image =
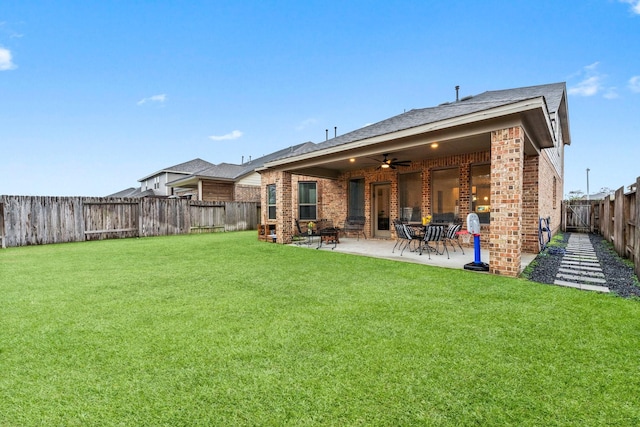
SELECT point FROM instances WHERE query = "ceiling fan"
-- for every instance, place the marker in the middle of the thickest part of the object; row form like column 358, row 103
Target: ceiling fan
column 392, row 163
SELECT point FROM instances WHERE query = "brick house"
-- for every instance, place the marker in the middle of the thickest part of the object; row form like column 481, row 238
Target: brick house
column 499, row 154
column 228, row 182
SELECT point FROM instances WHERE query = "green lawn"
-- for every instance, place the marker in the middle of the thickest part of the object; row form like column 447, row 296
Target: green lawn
column 220, row 329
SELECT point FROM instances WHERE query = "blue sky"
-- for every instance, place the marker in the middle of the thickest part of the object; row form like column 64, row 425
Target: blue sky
column 97, row 94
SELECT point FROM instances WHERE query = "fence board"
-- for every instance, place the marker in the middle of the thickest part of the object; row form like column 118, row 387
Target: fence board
column 207, row 216
column 111, row 218
column 636, row 240
column 617, row 220
column 2, row 242
column 577, row 215
column 41, row 220
column 26, row 220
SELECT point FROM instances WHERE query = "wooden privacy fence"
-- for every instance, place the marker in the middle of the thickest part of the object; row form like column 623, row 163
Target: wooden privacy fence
column 616, row 218
column 28, row 220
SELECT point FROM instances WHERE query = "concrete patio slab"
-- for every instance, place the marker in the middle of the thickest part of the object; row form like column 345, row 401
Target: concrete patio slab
column 381, row 248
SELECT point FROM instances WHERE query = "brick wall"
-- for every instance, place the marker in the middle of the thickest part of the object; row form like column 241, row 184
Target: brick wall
column 247, row 193
column 551, row 189
column 530, row 206
column 522, row 189
column 507, row 161
column 371, row 176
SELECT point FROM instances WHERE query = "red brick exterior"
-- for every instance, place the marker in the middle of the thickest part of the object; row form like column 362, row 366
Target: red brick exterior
column 522, row 191
column 507, row 161
column 247, row 193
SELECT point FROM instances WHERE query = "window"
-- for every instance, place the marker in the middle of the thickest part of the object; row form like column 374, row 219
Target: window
column 356, row 198
column 481, row 192
column 410, row 190
column 307, row 200
column 271, row 201
column 445, row 193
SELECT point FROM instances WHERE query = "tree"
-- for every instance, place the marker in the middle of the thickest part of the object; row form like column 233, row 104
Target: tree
column 575, row 194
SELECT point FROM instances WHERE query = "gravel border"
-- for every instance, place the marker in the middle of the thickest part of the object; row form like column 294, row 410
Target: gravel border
column 620, row 277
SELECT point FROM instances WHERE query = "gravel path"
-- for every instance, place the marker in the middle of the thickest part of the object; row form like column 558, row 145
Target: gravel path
column 620, row 277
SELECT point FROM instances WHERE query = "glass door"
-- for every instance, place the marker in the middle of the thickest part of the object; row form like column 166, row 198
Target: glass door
column 381, row 207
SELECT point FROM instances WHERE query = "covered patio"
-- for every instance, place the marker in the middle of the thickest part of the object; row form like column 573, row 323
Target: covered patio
column 382, row 248
column 499, row 155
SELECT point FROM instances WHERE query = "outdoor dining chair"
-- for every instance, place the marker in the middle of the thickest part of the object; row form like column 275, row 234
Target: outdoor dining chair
column 433, row 234
column 451, row 236
column 404, row 237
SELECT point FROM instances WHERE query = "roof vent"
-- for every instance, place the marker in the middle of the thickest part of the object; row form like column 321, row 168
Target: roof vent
column 466, row 98
column 457, row 90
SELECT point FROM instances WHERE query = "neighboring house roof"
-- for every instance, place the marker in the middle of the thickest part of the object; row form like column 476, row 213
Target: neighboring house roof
column 233, row 172
column 554, row 98
column 132, row 192
column 598, row 196
column 185, row 168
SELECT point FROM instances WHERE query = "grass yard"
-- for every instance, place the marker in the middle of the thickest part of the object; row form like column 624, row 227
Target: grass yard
column 220, row 329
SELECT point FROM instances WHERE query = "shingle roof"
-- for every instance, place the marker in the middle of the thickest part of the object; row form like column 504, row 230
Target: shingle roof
column 553, row 94
column 132, row 192
column 229, row 171
column 184, row 168
column 232, row 171
column 189, row 167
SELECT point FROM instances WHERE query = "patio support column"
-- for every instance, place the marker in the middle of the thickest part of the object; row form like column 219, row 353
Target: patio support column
column 284, row 207
column 507, row 162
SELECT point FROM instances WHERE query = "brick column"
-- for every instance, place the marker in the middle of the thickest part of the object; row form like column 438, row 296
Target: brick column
column 505, row 240
column 284, row 207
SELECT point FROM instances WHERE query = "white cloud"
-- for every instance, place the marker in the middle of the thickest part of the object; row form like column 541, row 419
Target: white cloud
column 635, row 5
column 591, row 83
column 587, row 87
column 6, row 62
column 306, row 123
column 634, row 84
column 155, row 98
column 229, row 136
column 611, row 93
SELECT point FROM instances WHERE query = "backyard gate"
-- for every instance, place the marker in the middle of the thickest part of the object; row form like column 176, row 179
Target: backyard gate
column 576, row 216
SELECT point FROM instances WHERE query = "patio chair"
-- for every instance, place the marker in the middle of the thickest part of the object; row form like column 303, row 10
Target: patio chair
column 451, row 236
column 354, row 224
column 434, row 234
column 301, row 237
column 404, row 237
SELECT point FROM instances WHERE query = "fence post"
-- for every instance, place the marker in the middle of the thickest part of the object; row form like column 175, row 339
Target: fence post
column 636, row 220
column 3, row 245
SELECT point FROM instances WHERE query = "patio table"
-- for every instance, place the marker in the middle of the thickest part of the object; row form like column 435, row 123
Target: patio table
column 329, row 235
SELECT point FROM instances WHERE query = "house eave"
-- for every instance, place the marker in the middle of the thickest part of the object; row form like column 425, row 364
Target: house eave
column 531, row 113
column 194, row 179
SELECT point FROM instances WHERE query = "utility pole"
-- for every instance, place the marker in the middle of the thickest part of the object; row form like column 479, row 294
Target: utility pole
column 588, row 184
